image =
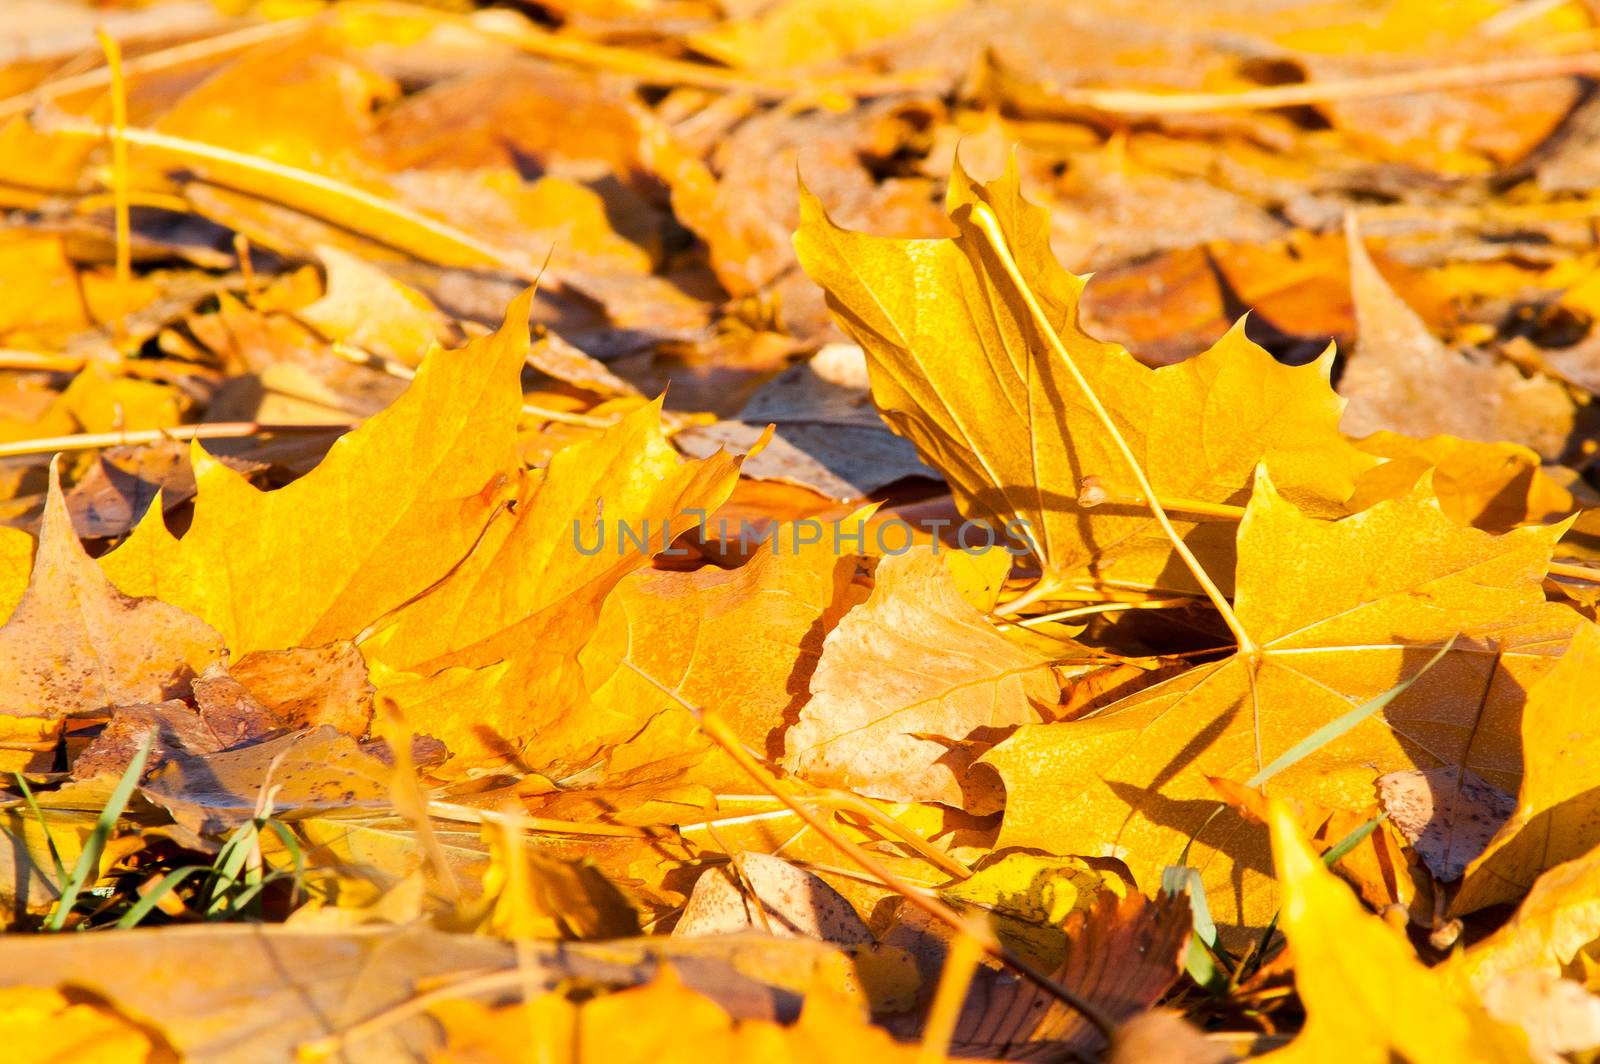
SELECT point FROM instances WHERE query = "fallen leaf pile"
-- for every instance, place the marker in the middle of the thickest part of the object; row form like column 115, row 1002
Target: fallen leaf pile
column 624, row 530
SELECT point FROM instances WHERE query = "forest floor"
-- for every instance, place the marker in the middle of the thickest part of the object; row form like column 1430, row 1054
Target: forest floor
column 621, row 530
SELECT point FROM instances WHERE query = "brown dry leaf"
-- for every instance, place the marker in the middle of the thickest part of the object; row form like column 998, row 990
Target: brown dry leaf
column 1343, row 610
column 747, row 210
column 396, row 504
column 1557, row 816
column 171, row 728
column 913, row 686
column 308, row 774
column 1403, row 378
column 512, row 111
column 270, row 691
column 829, row 438
column 1123, row 954
column 366, row 308
column 1447, row 814
column 959, row 368
column 759, row 892
column 552, row 355
column 75, row 644
column 124, row 482
column 486, row 662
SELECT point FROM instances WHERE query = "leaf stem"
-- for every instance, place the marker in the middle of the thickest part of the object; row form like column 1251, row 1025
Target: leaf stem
column 216, row 430
column 119, row 167
column 1575, row 572
column 204, row 48
column 719, row 732
column 1225, row 512
column 1465, row 76
column 984, row 218
column 408, row 230
column 1093, row 495
column 655, row 69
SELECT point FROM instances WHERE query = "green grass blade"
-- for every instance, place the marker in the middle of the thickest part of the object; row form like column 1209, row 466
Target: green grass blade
column 1352, row 840
column 1329, row 859
column 49, row 839
column 170, row 882
column 1341, row 724
column 296, row 855
column 89, row 860
column 229, row 863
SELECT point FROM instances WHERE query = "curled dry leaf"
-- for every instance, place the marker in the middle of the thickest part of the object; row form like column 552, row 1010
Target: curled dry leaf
column 269, row 691
column 365, row 308
column 75, row 644
column 913, row 686
column 1403, row 378
column 171, row 728
column 308, row 774
column 1448, row 814
column 760, row 892
column 1123, row 954
column 829, row 437
column 109, row 501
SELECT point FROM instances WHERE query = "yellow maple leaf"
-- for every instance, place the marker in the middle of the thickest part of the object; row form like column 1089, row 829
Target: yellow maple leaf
column 1558, row 807
column 1367, row 997
column 959, row 367
column 662, row 1022
column 691, row 632
column 1343, row 611
column 488, row 660
column 1494, row 486
column 1558, row 919
column 53, row 1025
column 16, row 563
column 394, row 505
